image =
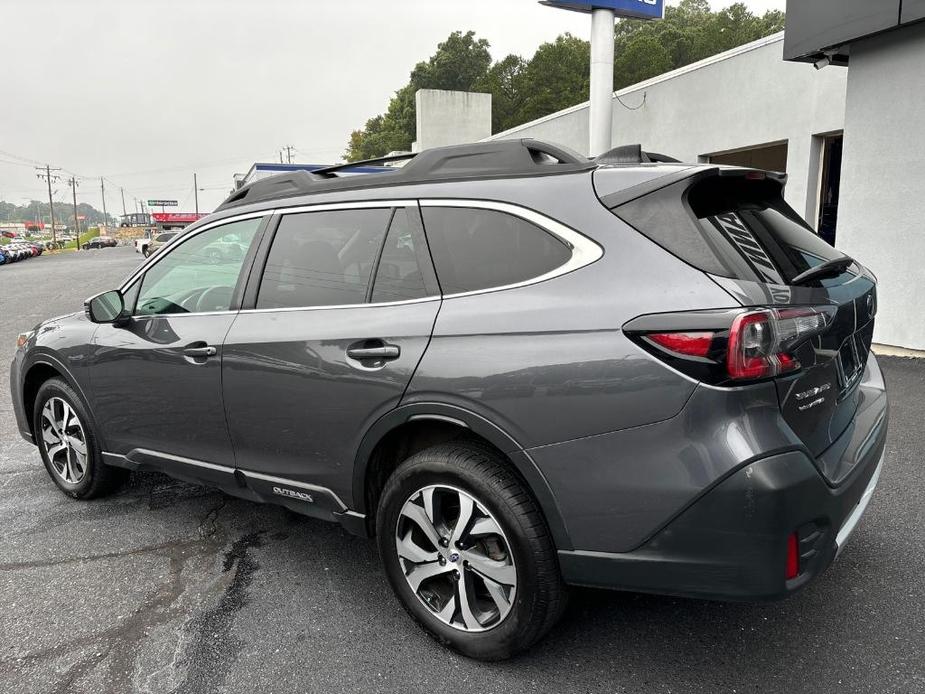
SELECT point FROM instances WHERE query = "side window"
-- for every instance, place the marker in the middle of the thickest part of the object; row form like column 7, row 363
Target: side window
column 400, row 275
column 322, row 258
column 478, row 249
column 198, row 274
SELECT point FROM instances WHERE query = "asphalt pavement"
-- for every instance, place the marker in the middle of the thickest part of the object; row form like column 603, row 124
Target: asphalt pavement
column 168, row 586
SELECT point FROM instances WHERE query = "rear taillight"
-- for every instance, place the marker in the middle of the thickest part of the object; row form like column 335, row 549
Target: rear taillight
column 695, row 344
column 731, row 346
column 760, row 341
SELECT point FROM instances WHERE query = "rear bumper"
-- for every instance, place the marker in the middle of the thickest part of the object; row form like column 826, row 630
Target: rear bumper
column 731, row 543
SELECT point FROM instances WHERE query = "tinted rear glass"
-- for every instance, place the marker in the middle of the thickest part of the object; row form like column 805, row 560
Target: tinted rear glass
column 322, row 258
column 730, row 226
column 478, row 249
column 400, row 274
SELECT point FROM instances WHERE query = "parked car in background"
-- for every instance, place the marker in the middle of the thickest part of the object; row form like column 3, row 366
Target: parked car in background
column 515, row 367
column 157, row 242
column 100, row 242
column 14, row 252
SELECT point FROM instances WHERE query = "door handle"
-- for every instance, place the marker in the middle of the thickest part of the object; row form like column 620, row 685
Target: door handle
column 207, row 351
column 384, row 351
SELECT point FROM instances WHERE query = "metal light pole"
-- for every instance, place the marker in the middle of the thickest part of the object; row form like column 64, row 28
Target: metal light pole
column 600, row 123
column 603, row 14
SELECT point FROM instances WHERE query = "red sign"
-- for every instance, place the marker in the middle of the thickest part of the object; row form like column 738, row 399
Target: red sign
column 176, row 217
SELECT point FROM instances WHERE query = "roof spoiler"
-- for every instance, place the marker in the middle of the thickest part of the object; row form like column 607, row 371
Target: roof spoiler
column 633, row 154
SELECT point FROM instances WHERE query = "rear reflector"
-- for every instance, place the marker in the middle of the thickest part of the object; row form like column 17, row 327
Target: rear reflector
column 793, row 557
column 687, row 344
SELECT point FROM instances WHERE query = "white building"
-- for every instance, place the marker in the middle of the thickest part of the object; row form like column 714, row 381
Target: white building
column 750, row 106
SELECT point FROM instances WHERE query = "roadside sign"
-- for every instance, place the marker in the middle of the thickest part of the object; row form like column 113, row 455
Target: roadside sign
column 162, row 203
column 636, row 9
column 177, row 217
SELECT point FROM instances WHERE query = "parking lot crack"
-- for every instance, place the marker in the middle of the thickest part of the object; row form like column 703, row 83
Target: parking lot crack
column 215, row 648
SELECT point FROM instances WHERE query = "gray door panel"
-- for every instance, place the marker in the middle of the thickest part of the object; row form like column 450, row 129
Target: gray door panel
column 150, row 394
column 297, row 404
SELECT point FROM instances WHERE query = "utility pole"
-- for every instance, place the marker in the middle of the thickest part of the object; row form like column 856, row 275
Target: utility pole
column 281, row 156
column 73, row 182
column 122, row 190
column 51, row 203
column 196, row 192
column 103, row 193
column 288, row 149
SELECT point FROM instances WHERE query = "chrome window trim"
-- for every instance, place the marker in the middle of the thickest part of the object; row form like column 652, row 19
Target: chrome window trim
column 380, row 304
column 156, row 258
column 142, row 316
column 584, row 250
column 356, row 205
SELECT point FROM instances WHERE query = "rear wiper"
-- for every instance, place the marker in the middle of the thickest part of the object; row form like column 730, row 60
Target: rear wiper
column 826, row 269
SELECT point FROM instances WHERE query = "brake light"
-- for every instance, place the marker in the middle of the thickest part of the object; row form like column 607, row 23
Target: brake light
column 695, row 344
column 792, row 569
column 724, row 346
column 760, row 341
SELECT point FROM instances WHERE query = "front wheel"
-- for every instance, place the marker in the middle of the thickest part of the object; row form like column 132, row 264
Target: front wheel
column 467, row 551
column 68, row 444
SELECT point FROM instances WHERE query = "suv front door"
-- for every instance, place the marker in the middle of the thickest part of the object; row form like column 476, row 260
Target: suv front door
column 331, row 333
column 157, row 378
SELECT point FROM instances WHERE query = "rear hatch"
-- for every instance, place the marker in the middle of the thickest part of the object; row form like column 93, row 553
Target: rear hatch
column 734, row 225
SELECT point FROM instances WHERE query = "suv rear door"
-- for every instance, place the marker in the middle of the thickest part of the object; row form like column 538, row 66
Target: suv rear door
column 734, row 225
column 338, row 312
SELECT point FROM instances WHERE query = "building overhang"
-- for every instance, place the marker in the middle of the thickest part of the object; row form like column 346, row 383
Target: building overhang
column 822, row 31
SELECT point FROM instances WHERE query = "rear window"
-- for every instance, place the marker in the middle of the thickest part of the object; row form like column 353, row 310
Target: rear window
column 730, row 226
column 477, row 249
column 322, row 258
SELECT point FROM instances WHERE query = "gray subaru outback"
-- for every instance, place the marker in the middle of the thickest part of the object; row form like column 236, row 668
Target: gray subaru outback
column 515, row 367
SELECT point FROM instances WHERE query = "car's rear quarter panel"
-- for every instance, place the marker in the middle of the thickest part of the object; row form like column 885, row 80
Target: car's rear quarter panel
column 549, row 363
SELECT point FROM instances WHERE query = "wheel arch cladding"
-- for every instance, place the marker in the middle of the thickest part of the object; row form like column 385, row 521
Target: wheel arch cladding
column 407, row 430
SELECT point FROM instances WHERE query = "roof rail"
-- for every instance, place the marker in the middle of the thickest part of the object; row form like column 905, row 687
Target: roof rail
column 500, row 158
column 331, row 171
column 633, row 154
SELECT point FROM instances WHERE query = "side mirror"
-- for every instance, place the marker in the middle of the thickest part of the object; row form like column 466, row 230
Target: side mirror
column 105, row 308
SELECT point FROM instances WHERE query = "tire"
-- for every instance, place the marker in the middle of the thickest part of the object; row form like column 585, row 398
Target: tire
column 86, row 479
column 146, row 252
column 537, row 597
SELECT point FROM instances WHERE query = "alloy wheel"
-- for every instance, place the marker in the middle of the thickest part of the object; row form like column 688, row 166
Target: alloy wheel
column 456, row 558
column 64, row 440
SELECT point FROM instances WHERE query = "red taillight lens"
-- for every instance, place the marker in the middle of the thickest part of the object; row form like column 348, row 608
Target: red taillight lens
column 760, row 341
column 696, row 344
column 727, row 346
column 793, row 557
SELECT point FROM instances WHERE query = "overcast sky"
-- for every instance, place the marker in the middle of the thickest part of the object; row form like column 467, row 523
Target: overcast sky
column 145, row 92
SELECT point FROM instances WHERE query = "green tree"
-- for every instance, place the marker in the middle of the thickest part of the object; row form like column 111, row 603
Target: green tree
column 557, row 75
column 459, row 63
column 505, row 82
column 688, row 33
